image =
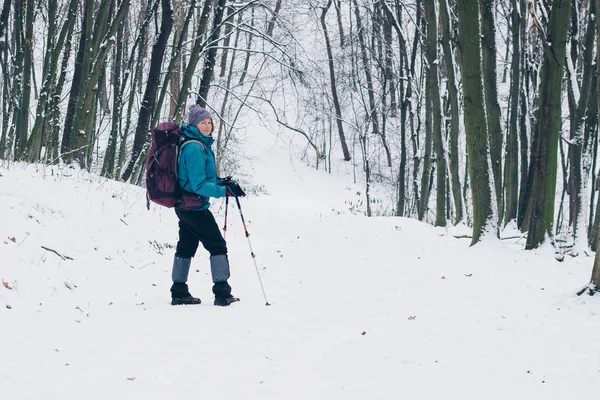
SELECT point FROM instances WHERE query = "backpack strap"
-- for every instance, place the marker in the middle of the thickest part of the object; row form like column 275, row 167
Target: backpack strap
column 182, row 144
column 186, row 141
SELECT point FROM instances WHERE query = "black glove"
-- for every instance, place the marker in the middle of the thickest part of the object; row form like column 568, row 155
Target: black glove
column 225, row 181
column 234, row 190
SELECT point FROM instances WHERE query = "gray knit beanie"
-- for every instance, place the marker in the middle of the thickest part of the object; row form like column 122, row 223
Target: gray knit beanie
column 196, row 114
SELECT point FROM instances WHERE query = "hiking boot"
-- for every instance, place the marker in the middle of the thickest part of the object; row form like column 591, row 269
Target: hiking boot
column 187, row 300
column 225, row 301
column 181, row 295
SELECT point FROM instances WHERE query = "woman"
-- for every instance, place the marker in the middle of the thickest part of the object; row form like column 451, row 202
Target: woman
column 198, row 178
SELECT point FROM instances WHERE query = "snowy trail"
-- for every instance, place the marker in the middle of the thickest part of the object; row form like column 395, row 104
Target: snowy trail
column 361, row 308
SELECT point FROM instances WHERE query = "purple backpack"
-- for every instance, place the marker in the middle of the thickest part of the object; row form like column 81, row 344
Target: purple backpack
column 162, row 182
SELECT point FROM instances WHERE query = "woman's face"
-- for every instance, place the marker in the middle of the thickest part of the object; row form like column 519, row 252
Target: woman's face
column 205, row 126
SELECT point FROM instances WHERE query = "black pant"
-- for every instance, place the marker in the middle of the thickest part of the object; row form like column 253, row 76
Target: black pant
column 198, row 227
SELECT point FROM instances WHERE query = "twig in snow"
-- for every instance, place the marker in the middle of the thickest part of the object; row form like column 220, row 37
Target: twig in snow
column 64, row 154
column 79, row 308
column 123, row 258
column 57, row 253
column 511, row 237
column 150, row 263
column 463, row 237
column 26, row 236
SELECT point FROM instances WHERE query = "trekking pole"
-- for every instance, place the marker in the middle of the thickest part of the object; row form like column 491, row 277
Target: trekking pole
column 237, row 200
column 225, row 219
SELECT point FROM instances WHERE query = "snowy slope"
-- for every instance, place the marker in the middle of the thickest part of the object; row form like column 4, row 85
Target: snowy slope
column 361, row 308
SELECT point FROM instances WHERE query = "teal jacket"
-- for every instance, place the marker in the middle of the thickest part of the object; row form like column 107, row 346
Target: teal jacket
column 197, row 169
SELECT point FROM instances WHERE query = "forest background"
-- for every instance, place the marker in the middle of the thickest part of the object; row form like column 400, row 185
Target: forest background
column 480, row 112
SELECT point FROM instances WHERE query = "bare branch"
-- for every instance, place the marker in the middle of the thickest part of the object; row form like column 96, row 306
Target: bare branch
column 56, row 252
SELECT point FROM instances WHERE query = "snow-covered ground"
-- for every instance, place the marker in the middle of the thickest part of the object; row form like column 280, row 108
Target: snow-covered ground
column 380, row 308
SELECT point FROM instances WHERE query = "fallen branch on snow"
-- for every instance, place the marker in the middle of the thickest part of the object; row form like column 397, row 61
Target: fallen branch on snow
column 591, row 289
column 57, row 253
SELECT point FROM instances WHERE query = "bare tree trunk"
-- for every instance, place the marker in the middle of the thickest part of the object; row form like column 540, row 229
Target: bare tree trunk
column 367, row 70
column 416, row 111
column 77, row 79
column 545, row 142
column 22, row 84
column 592, row 128
column 149, row 101
column 226, row 42
column 4, row 19
column 145, row 9
column 389, row 67
column 334, row 93
column 492, row 108
column 54, row 118
column 190, row 70
column 405, row 105
column 102, row 41
column 402, row 189
column 423, row 204
column 85, row 115
column 454, row 111
column 249, row 37
column 136, row 60
column 436, row 112
column 338, row 12
column 175, row 73
column 274, row 18
column 209, row 64
column 474, row 116
column 364, row 150
column 23, row 123
column 49, row 85
column 595, row 279
column 108, row 168
column 579, row 111
column 511, row 171
column 222, row 134
column 523, row 136
column 4, row 15
column 34, row 144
